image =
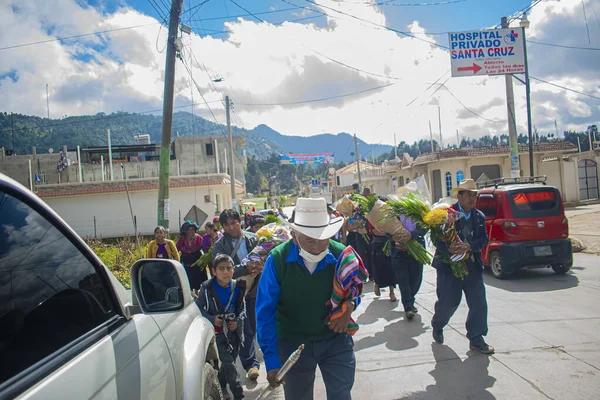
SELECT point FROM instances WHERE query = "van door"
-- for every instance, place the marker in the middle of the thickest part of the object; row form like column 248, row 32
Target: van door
column 63, row 333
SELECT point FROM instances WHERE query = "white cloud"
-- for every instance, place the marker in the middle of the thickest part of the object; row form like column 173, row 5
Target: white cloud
column 264, row 63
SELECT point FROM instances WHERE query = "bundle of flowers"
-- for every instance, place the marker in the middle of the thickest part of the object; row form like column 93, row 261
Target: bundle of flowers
column 204, row 261
column 269, row 237
column 362, row 206
column 438, row 220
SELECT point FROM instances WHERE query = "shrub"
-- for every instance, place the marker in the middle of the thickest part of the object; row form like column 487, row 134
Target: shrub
column 119, row 256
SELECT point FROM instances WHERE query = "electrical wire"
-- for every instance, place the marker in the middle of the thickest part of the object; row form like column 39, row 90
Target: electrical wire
column 159, row 10
column 196, row 7
column 469, row 110
column 430, row 86
column 375, row 24
column 563, row 46
column 319, row 99
column 565, row 88
column 247, row 15
column 257, row 18
column 587, row 27
column 76, row 36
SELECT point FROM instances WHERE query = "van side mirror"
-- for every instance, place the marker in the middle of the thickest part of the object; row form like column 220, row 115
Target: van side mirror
column 159, row 286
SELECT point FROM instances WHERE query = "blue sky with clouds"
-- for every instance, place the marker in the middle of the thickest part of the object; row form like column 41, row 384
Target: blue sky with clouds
column 374, row 82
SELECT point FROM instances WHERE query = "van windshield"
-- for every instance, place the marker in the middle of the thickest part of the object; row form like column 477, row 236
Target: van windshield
column 535, row 203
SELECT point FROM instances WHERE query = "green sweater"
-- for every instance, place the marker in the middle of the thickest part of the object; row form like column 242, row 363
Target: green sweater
column 302, row 309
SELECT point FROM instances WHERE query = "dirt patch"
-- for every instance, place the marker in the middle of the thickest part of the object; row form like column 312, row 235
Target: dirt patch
column 586, row 228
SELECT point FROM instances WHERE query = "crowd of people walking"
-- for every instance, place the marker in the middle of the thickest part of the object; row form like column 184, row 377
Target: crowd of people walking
column 286, row 303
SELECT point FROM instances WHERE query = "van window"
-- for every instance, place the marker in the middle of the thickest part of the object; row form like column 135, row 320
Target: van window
column 487, row 204
column 50, row 293
column 535, row 203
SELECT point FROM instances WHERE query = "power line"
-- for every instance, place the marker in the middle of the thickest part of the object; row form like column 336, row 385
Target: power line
column 565, row 88
column 76, row 36
column 469, row 110
column 196, row 7
column 440, row 3
column 375, row 24
column 430, row 86
column 563, row 46
column 248, row 15
column 257, row 18
column 159, row 10
column 319, row 99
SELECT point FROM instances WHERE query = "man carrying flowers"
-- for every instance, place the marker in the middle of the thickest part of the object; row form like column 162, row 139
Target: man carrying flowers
column 472, row 238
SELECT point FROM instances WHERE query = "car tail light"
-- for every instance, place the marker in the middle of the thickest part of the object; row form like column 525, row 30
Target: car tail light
column 510, row 228
column 565, row 227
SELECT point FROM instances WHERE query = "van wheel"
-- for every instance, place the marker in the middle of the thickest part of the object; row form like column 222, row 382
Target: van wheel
column 496, row 266
column 560, row 269
column 212, row 387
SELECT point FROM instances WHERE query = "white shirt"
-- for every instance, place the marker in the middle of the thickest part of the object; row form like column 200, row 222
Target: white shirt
column 310, row 266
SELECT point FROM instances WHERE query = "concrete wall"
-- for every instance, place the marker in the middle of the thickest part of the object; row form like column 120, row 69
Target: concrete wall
column 347, row 179
column 113, row 217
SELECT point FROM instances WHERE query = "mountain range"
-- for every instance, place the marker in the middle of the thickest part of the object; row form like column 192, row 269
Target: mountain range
column 22, row 132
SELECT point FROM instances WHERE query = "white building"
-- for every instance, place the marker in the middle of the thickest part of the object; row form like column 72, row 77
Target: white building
column 574, row 174
column 95, row 204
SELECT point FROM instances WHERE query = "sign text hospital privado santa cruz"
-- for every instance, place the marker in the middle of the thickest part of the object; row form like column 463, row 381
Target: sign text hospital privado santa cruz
column 487, row 52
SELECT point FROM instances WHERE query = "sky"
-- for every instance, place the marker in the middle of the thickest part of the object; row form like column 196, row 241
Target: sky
column 302, row 67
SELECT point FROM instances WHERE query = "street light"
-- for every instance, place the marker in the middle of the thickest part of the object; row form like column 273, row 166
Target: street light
column 524, row 25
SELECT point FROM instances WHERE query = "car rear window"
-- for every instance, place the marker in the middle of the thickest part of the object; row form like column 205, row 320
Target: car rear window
column 535, row 203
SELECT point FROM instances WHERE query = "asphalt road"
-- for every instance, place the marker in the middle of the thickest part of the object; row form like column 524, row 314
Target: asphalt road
column 545, row 328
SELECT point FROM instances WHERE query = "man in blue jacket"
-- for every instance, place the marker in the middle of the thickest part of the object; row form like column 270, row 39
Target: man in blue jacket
column 472, row 231
column 291, row 308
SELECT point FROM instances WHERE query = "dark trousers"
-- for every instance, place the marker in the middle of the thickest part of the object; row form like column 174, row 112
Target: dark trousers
column 335, row 358
column 449, row 293
column 227, row 372
column 382, row 264
column 363, row 248
column 248, row 351
column 409, row 274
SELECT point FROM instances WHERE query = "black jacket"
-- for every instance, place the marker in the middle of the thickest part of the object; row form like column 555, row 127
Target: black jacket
column 210, row 306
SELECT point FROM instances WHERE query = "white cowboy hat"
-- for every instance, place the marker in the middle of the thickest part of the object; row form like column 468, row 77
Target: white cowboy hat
column 312, row 219
column 468, row 185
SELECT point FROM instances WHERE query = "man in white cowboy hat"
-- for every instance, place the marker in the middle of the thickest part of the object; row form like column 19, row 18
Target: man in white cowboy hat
column 296, row 283
column 472, row 231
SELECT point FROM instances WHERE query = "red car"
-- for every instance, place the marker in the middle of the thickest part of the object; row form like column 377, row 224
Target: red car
column 526, row 226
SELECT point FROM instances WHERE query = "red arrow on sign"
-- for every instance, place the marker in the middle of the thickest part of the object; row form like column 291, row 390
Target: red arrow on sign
column 475, row 68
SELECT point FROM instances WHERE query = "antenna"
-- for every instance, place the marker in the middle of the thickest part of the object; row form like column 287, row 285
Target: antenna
column 47, row 101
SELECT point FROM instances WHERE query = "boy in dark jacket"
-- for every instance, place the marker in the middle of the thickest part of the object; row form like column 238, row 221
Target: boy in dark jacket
column 221, row 301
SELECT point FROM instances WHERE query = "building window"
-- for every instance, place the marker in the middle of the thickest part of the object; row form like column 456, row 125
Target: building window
column 400, row 181
column 448, row 183
column 338, row 180
column 209, row 149
column 460, row 176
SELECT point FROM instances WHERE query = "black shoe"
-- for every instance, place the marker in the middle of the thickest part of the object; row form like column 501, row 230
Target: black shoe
column 415, row 310
column 482, row 347
column 410, row 314
column 438, row 336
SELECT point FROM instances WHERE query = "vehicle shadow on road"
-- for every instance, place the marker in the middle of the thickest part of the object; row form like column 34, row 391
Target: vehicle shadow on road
column 397, row 336
column 456, row 378
column 533, row 280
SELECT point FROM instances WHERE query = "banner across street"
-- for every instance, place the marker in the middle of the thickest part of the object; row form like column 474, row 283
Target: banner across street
column 487, row 52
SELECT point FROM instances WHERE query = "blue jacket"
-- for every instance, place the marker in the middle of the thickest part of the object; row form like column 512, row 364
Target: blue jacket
column 478, row 241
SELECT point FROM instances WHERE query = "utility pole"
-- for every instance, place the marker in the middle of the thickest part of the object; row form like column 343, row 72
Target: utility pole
column 457, row 140
column 12, row 128
column 110, row 165
column 357, row 164
column 440, row 120
column 515, row 168
column 395, row 146
column 373, row 156
column 167, row 121
column 47, row 102
column 231, row 158
column 431, row 138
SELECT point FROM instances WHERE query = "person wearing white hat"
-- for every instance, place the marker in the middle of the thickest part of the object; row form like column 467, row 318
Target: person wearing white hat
column 291, row 309
column 473, row 234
